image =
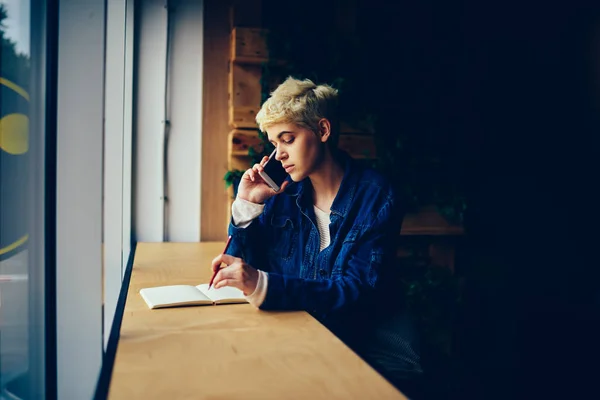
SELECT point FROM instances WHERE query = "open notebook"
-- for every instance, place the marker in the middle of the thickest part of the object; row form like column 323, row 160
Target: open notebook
column 187, row 295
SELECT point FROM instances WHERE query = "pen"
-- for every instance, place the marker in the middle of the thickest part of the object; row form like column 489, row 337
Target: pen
column 224, row 251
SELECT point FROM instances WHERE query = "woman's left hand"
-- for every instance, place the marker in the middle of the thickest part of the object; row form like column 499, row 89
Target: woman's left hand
column 235, row 273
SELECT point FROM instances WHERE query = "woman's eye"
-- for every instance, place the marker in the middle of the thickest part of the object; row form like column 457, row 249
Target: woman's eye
column 288, row 141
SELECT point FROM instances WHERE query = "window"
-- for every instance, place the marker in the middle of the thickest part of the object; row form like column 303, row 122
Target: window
column 22, row 193
column 55, row 68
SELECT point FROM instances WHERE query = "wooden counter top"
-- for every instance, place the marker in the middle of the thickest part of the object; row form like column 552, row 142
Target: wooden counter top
column 227, row 351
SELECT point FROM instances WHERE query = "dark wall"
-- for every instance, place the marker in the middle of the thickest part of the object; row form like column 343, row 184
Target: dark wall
column 511, row 90
column 520, row 82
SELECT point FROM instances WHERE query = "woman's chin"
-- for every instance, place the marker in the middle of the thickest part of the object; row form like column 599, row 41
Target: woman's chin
column 295, row 177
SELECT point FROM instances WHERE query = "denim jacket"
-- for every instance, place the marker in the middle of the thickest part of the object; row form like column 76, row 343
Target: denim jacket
column 284, row 241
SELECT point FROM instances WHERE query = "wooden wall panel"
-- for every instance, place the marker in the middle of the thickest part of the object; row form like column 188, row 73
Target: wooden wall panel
column 246, row 13
column 215, row 127
column 220, row 16
column 244, row 95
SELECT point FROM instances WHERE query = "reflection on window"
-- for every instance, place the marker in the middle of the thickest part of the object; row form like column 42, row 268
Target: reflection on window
column 14, row 199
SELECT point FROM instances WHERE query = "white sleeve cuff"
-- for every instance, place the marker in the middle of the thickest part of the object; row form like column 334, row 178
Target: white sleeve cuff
column 259, row 294
column 244, row 212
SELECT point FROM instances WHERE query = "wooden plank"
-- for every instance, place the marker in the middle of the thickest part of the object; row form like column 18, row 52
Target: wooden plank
column 443, row 253
column 214, row 122
column 358, row 146
column 429, row 222
column 240, row 163
column 227, row 351
column 244, row 94
column 245, row 13
column 249, row 45
column 347, row 128
column 433, row 230
column 240, row 141
column 362, row 128
column 243, row 117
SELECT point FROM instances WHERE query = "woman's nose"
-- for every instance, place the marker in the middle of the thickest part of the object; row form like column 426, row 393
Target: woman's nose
column 279, row 155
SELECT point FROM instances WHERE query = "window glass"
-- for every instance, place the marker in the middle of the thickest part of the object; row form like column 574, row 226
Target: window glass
column 15, row 204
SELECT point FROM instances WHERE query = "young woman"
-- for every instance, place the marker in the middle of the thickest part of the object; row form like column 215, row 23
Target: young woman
column 318, row 244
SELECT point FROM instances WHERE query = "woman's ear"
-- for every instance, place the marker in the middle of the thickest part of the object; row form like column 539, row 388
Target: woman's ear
column 324, row 129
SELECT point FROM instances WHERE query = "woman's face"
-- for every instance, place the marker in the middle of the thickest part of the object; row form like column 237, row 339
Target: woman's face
column 299, row 149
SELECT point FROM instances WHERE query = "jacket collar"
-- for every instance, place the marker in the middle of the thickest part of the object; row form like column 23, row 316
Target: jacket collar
column 345, row 196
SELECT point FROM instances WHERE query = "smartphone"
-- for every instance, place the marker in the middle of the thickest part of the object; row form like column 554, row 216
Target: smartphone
column 274, row 174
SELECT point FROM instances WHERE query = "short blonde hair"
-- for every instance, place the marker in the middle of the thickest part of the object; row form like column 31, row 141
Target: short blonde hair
column 301, row 102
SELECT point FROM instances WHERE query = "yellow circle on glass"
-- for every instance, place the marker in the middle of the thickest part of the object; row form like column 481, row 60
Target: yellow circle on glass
column 14, row 134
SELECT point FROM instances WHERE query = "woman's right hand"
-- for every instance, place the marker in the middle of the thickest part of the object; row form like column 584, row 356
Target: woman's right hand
column 253, row 188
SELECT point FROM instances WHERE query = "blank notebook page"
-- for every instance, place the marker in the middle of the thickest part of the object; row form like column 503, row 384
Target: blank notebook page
column 223, row 293
column 172, row 294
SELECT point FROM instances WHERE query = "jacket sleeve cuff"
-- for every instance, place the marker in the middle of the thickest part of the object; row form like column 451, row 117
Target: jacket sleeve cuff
column 273, row 298
column 258, row 296
column 244, row 212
